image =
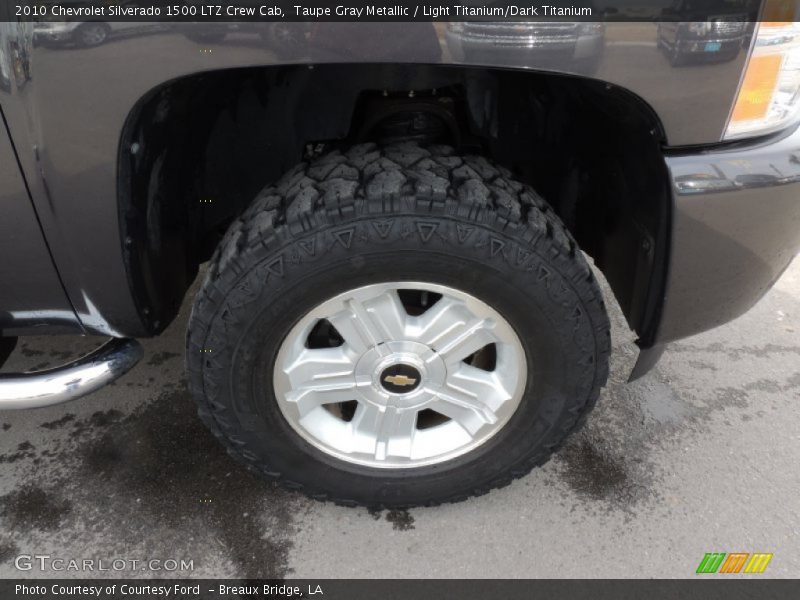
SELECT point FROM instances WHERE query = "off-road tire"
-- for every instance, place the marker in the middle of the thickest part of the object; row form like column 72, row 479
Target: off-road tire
column 395, row 213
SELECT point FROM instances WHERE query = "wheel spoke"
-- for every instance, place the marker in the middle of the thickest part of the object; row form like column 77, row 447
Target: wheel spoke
column 321, row 376
column 467, row 341
column 365, row 324
column 438, row 321
column 311, row 397
column 320, row 364
column 484, row 386
column 453, row 331
column 390, row 315
column 385, row 431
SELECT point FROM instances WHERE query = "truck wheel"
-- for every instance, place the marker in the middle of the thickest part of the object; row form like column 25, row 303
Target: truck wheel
column 396, row 326
column 676, row 57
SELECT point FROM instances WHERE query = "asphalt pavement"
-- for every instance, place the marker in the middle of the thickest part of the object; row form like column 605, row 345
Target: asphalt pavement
column 699, row 456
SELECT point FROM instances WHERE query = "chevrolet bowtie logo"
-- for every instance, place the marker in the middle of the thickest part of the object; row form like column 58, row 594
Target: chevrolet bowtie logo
column 399, row 380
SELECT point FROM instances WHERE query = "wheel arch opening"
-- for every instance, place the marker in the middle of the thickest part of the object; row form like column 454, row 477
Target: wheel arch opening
column 196, row 150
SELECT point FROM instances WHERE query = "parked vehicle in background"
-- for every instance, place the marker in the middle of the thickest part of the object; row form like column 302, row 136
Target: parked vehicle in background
column 88, row 34
column 83, row 34
column 285, row 39
column 580, row 45
column 709, row 37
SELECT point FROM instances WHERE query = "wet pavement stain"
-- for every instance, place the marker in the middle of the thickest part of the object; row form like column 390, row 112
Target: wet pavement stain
column 792, row 383
column 24, row 450
column 592, row 474
column 32, row 506
column 62, row 355
column 98, row 419
column 730, row 397
column 159, row 465
column 611, row 472
column 58, row 423
column 603, row 463
column 29, row 352
column 769, row 386
column 159, row 358
column 401, row 520
column 162, row 461
column 701, row 365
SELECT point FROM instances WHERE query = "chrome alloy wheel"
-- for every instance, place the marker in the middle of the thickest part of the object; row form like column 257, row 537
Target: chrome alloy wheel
column 400, row 375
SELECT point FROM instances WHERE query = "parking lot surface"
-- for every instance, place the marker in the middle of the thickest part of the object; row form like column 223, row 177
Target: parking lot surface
column 699, row 456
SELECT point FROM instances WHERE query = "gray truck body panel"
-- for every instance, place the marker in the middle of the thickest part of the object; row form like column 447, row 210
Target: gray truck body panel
column 66, row 110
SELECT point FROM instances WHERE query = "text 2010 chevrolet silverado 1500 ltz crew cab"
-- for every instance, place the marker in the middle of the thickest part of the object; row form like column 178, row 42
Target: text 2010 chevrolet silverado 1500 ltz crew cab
column 397, row 307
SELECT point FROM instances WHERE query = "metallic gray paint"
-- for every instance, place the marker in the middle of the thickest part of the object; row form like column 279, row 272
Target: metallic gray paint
column 32, row 298
column 736, row 228
column 67, row 117
column 67, row 114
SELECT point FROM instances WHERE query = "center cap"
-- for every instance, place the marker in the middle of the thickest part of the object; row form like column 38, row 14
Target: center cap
column 400, row 378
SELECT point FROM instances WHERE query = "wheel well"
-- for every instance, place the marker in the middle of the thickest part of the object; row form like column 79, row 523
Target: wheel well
column 195, row 151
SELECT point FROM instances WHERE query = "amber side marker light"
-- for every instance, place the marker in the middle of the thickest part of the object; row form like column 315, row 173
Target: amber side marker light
column 769, row 95
column 758, row 87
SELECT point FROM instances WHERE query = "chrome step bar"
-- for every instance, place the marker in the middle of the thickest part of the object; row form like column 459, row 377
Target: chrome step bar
column 78, row 378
